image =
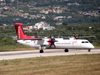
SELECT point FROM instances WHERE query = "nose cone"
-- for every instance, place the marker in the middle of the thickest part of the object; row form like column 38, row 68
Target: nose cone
column 88, row 46
column 91, row 46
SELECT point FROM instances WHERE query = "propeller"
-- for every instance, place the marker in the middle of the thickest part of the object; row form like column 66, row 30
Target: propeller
column 52, row 41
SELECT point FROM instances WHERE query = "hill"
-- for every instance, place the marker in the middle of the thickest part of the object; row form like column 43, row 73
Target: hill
column 81, row 12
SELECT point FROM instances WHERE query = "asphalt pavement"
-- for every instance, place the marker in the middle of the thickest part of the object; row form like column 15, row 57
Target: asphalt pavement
column 49, row 52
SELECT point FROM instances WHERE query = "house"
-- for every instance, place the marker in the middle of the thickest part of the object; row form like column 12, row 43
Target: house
column 12, row 0
column 2, row 0
column 6, row 7
column 48, row 28
column 28, row 28
column 59, row 11
column 43, row 25
column 43, row 17
column 77, row 4
column 49, row 11
column 69, row 17
column 26, row 14
column 1, row 26
column 58, row 23
column 33, row 17
column 38, row 15
column 4, row 25
column 25, row 28
column 59, row 17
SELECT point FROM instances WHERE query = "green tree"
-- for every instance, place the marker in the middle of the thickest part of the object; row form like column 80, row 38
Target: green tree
column 6, row 41
column 7, row 1
column 64, row 23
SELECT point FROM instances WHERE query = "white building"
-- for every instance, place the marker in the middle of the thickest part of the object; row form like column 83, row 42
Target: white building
column 59, row 17
column 69, row 17
column 12, row 0
column 48, row 28
column 43, row 25
column 28, row 28
column 2, row 0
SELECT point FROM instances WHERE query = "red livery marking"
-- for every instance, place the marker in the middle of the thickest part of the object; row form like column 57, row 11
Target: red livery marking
column 49, row 42
column 74, row 42
column 74, row 38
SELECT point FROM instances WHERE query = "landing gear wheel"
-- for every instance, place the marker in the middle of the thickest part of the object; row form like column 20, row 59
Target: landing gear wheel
column 66, row 50
column 89, row 50
column 41, row 51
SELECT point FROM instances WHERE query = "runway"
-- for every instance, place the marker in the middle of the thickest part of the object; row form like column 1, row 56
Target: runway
column 50, row 52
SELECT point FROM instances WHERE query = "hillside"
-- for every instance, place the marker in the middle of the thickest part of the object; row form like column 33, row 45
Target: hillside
column 69, row 17
column 81, row 12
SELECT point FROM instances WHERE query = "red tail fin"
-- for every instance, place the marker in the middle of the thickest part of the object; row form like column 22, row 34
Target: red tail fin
column 19, row 31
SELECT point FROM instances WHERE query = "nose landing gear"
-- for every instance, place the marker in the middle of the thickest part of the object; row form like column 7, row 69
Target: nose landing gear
column 89, row 50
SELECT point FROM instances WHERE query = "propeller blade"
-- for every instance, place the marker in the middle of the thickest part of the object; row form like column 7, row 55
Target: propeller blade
column 52, row 41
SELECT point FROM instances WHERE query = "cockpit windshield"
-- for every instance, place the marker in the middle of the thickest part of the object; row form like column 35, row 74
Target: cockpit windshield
column 85, row 41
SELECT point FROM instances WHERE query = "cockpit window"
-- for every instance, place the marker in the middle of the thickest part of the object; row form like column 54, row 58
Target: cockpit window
column 82, row 41
column 85, row 42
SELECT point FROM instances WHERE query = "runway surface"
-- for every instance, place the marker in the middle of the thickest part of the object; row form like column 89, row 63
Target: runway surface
column 50, row 52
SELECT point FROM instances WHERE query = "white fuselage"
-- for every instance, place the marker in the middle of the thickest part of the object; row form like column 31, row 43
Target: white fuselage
column 60, row 44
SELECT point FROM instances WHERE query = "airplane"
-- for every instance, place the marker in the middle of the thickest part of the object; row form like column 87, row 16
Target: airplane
column 51, row 43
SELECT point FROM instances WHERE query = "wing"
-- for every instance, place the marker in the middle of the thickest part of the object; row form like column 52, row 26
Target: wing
column 81, row 37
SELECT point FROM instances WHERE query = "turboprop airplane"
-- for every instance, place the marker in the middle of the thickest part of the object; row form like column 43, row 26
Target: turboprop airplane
column 51, row 43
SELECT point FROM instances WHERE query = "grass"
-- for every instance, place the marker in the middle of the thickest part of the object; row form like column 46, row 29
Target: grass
column 56, row 65
column 14, row 48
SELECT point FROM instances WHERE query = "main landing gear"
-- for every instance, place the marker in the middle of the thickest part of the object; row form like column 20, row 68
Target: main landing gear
column 41, row 51
column 66, row 50
column 89, row 50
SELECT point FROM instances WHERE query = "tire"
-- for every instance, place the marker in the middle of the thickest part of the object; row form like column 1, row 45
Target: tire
column 41, row 51
column 89, row 50
column 66, row 50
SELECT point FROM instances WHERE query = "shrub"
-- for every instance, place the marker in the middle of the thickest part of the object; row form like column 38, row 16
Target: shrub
column 6, row 41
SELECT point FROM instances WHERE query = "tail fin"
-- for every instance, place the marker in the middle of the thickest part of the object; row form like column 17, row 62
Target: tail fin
column 20, row 33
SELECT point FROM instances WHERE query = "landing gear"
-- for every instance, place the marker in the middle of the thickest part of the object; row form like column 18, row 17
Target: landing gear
column 41, row 51
column 66, row 50
column 89, row 50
